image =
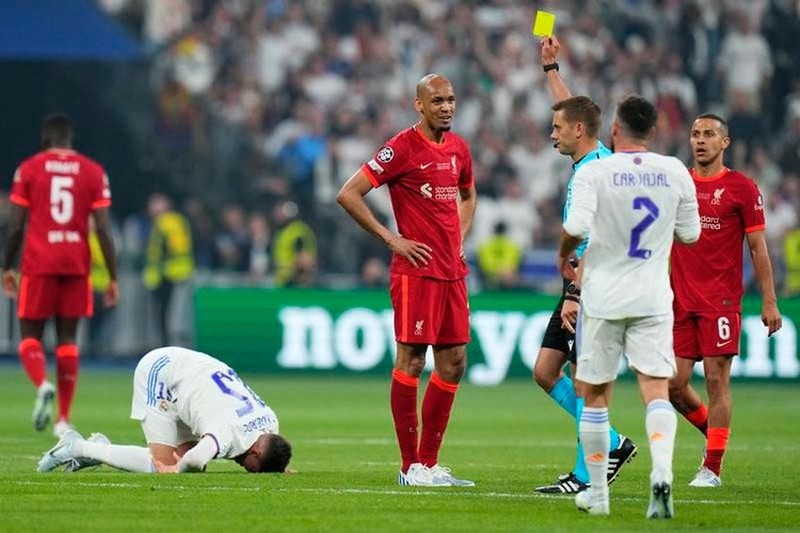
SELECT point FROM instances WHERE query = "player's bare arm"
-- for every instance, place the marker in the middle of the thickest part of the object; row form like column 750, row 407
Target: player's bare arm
column 558, row 89
column 102, row 220
column 14, row 235
column 351, row 198
column 167, row 459
column 770, row 315
column 566, row 251
column 466, row 211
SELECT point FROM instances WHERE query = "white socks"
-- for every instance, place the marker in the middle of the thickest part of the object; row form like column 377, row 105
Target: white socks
column 661, row 424
column 130, row 458
column 594, row 429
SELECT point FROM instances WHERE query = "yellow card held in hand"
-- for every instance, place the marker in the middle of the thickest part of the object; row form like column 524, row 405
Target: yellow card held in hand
column 543, row 24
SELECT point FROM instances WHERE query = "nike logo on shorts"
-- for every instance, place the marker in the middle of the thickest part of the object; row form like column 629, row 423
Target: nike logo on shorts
column 721, row 344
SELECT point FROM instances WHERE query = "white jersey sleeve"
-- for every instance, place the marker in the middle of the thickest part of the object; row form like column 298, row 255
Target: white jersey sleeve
column 630, row 203
column 687, row 223
column 584, row 204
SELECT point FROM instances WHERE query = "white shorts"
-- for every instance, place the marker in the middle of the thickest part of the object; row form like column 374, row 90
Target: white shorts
column 645, row 341
column 151, row 403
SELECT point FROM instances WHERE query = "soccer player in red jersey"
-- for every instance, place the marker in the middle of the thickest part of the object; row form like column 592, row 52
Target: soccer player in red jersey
column 53, row 194
column 428, row 170
column 707, row 281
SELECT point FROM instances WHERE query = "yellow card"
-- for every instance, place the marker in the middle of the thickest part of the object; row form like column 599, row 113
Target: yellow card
column 544, row 23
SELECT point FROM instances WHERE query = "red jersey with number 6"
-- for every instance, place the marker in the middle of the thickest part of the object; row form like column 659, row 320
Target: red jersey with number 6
column 424, row 179
column 707, row 276
column 59, row 188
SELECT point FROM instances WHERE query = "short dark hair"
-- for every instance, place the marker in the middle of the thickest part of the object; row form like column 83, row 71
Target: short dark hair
column 637, row 116
column 276, row 457
column 56, row 131
column 713, row 116
column 581, row 109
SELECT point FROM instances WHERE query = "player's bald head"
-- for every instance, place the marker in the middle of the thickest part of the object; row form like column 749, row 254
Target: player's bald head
column 432, row 83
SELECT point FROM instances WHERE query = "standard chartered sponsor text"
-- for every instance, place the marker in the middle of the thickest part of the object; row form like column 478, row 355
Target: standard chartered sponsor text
column 360, row 339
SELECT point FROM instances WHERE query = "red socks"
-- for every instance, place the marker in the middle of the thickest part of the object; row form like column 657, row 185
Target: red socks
column 699, row 418
column 404, row 411
column 436, row 407
column 716, row 444
column 66, row 377
column 33, row 361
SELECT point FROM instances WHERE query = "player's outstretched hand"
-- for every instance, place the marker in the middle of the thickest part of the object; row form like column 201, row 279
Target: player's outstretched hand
column 417, row 253
column 10, row 286
column 111, row 296
column 771, row 317
column 550, row 49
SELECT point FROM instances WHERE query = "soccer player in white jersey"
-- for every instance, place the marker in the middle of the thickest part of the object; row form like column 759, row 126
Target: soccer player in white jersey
column 633, row 204
column 193, row 408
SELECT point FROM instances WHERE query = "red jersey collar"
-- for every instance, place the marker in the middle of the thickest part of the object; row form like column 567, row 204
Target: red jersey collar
column 716, row 176
column 438, row 146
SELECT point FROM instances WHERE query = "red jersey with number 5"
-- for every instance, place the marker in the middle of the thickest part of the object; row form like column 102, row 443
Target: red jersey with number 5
column 59, row 188
column 707, row 276
column 424, row 179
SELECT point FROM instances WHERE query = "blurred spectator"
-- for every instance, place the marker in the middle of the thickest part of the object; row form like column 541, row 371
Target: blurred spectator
column 791, row 252
column 100, row 279
column 499, row 259
column 232, row 241
column 374, row 273
column 169, row 260
column 164, row 19
column 201, row 223
column 260, row 234
column 745, row 60
column 745, row 127
column 294, row 248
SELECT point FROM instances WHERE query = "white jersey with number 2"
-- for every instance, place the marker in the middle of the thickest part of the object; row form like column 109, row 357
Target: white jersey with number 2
column 203, row 393
column 632, row 204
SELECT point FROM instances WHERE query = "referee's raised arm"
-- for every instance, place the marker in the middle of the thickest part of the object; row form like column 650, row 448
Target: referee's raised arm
column 558, row 89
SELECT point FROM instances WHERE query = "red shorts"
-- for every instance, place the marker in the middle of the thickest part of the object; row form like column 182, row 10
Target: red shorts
column 429, row 311
column 712, row 334
column 42, row 297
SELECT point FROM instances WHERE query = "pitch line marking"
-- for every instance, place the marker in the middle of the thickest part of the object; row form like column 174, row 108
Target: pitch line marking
column 387, row 492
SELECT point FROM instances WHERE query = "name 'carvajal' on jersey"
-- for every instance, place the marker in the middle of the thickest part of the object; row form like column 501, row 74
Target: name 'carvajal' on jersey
column 640, row 179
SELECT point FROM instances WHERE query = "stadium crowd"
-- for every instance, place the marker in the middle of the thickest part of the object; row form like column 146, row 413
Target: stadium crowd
column 265, row 107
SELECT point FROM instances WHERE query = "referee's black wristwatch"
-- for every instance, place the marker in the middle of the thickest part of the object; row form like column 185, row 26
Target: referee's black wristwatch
column 573, row 293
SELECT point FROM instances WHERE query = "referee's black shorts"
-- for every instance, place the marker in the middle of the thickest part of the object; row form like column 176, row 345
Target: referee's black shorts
column 556, row 337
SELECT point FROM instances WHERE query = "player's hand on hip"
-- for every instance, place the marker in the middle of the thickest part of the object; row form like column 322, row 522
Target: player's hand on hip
column 569, row 315
column 10, row 286
column 417, row 253
column 111, row 296
column 550, row 49
column 771, row 318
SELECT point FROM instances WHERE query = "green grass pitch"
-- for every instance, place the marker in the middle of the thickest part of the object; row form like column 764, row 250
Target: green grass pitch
column 507, row 438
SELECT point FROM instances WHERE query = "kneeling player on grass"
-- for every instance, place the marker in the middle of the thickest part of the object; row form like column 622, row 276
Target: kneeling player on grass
column 193, row 408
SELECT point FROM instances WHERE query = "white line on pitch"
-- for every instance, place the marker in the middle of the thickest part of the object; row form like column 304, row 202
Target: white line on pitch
column 381, row 492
